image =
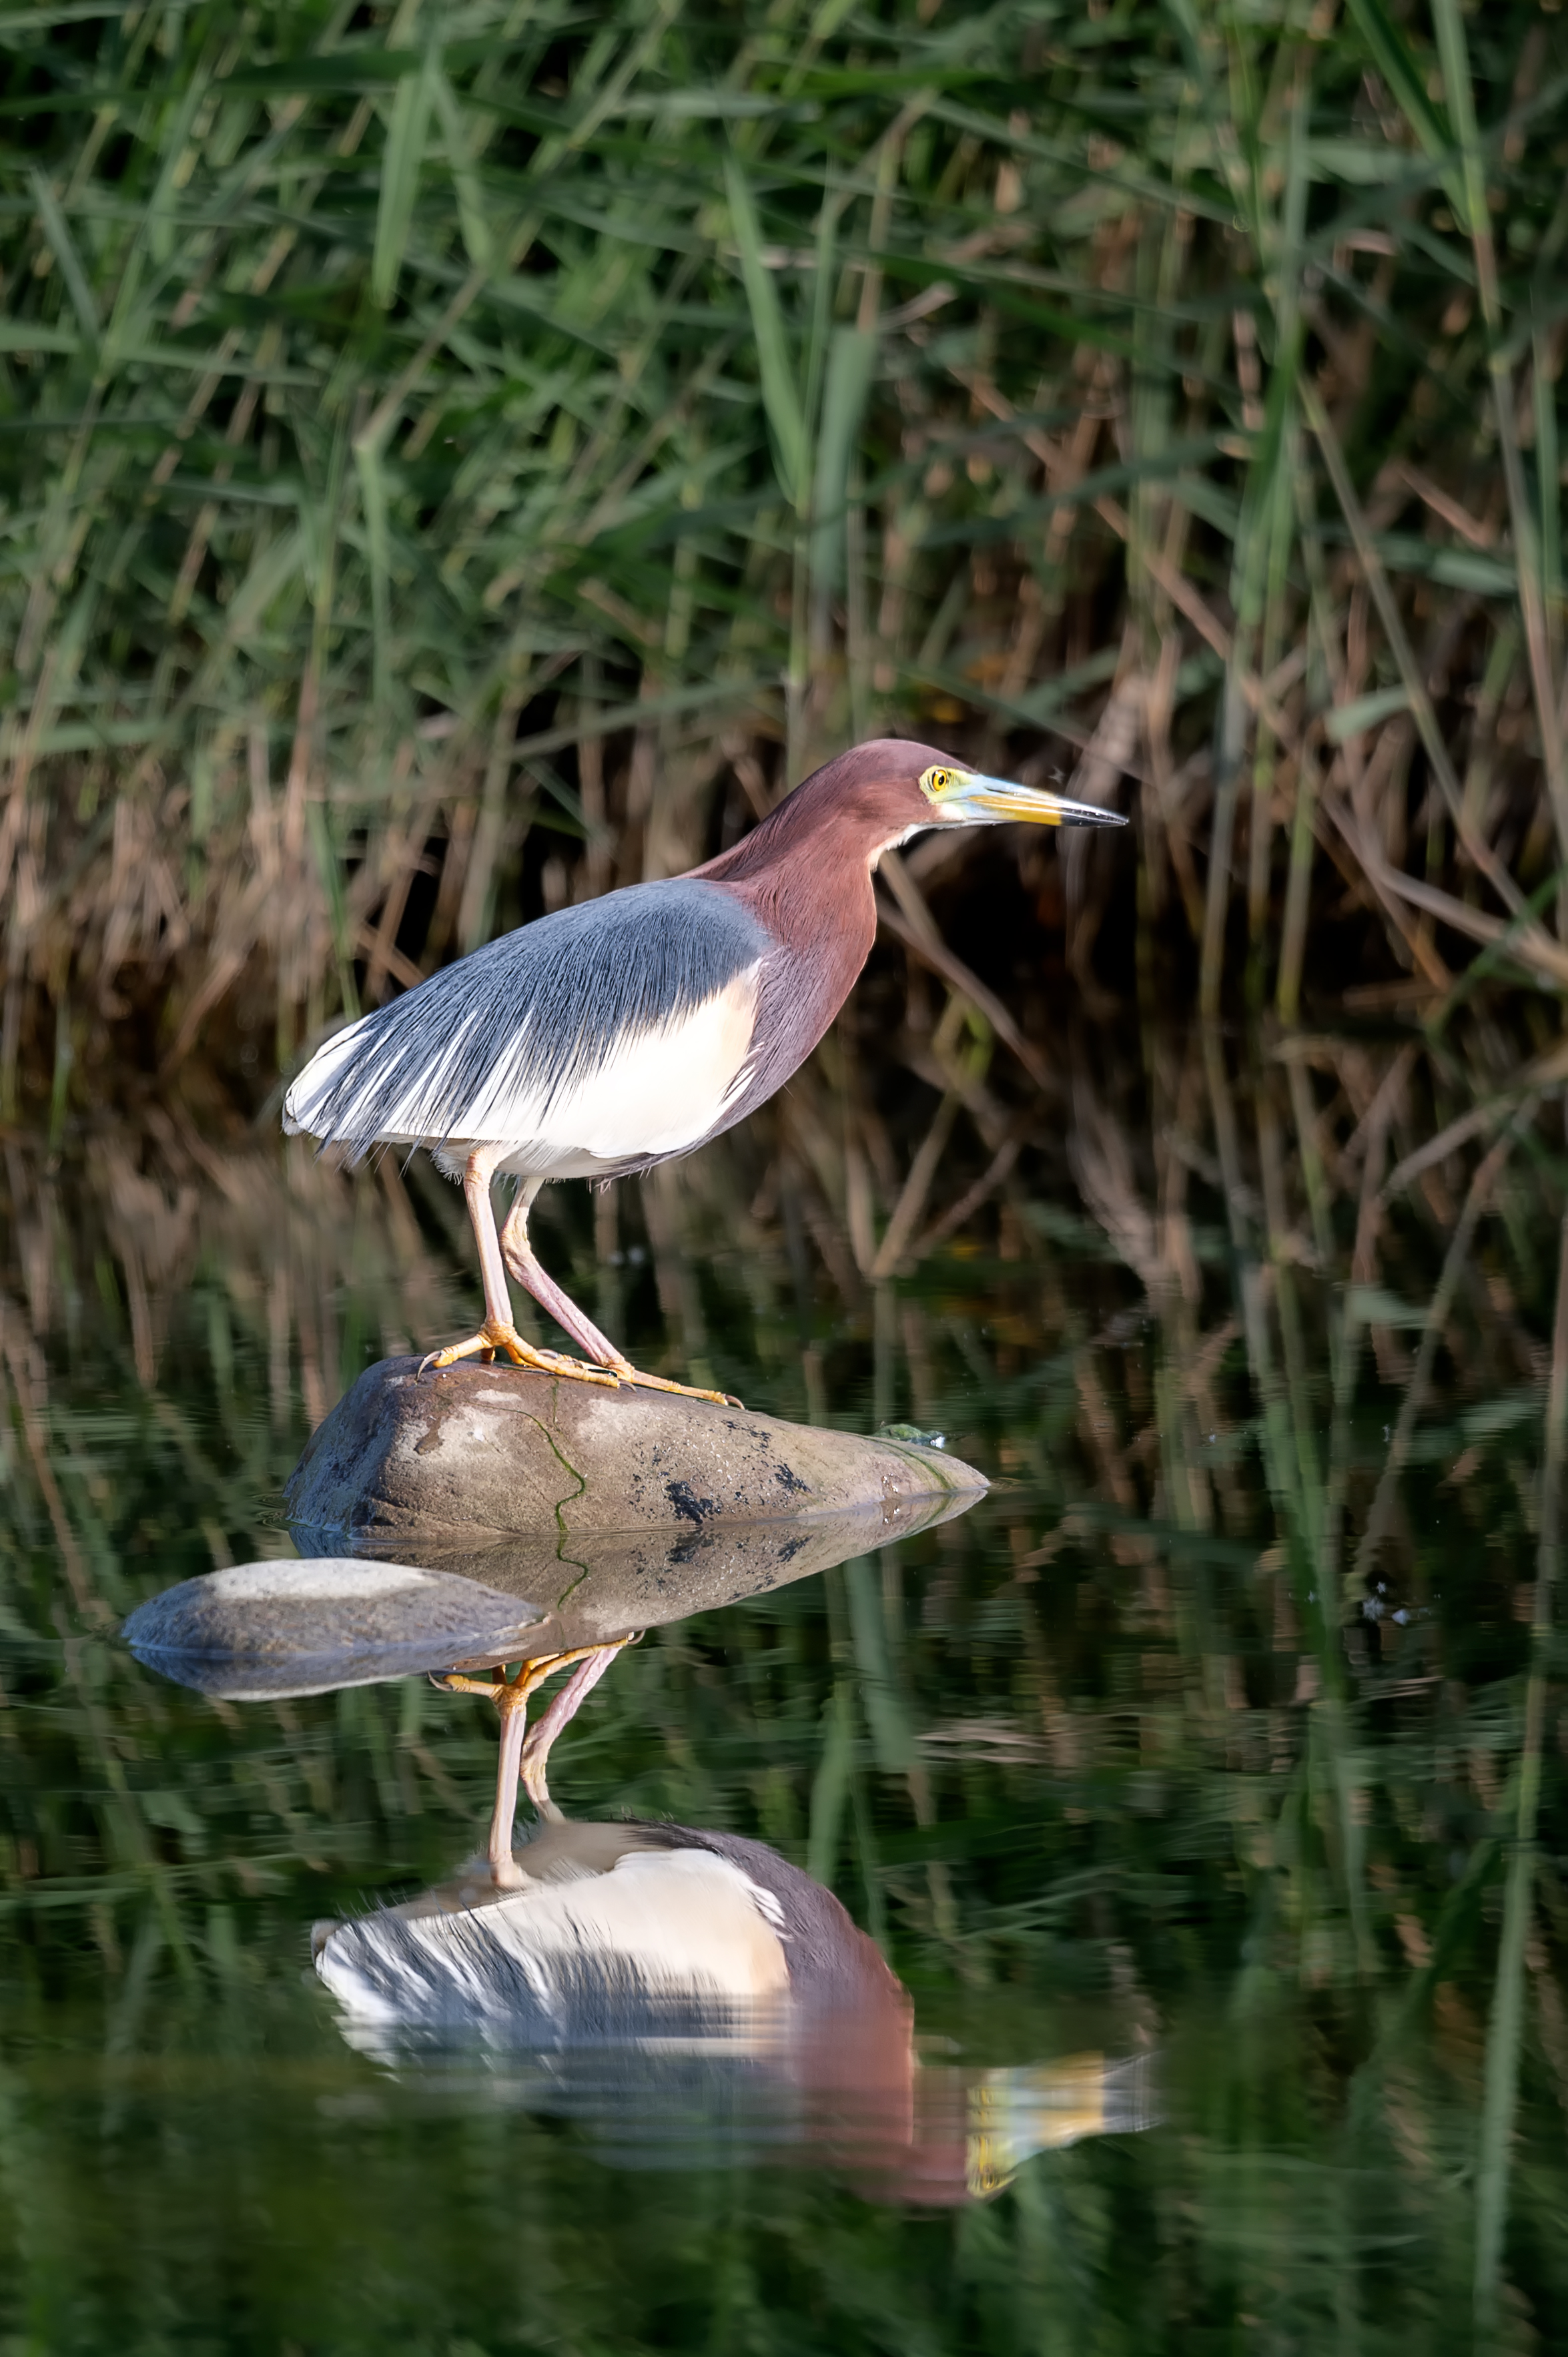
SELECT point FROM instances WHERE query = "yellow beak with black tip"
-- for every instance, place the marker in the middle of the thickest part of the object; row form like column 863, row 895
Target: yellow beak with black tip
column 965, row 798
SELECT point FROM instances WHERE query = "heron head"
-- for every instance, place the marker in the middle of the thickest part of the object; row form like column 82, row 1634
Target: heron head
column 877, row 795
column 960, row 797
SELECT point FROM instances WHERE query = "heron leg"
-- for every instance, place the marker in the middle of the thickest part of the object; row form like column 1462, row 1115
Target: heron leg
column 535, row 1755
column 522, row 1756
column 498, row 1333
column 518, row 1253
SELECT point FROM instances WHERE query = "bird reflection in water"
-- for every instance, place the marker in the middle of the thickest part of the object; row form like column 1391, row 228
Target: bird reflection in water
column 686, row 1988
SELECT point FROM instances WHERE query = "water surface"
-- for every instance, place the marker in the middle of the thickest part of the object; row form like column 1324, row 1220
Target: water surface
column 1137, row 1760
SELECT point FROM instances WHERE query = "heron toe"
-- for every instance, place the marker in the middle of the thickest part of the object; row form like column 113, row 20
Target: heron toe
column 629, row 1374
column 495, row 1335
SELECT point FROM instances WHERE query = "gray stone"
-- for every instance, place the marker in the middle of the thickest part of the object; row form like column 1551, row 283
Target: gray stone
column 474, row 1449
column 266, row 1629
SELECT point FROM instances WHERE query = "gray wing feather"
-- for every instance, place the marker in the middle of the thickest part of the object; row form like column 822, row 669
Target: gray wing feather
column 541, row 1007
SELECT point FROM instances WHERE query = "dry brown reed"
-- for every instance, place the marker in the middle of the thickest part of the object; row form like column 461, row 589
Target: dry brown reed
column 1189, row 429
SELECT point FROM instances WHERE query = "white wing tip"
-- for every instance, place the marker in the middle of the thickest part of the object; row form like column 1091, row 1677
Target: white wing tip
column 303, row 1097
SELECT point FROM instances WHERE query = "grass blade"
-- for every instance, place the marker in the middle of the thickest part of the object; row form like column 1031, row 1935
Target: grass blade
column 780, row 394
column 400, row 167
column 1505, row 2028
column 851, row 362
column 477, row 234
column 830, row 1785
column 63, row 248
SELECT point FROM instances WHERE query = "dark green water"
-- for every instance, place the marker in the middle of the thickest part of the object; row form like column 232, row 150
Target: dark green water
column 1094, row 1764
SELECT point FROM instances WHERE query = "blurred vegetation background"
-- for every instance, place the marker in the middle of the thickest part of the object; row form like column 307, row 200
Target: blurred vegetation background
column 453, row 460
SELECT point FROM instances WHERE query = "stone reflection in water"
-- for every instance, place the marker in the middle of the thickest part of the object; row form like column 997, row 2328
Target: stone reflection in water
column 276, row 1628
column 347, row 1616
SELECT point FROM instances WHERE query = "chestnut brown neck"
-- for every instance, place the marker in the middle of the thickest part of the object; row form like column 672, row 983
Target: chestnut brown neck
column 805, row 875
column 839, row 818
column 805, row 870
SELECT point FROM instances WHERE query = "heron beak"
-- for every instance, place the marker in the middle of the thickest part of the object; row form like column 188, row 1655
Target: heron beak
column 974, row 800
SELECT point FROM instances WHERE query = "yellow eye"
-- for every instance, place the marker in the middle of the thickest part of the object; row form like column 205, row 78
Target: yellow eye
column 936, row 782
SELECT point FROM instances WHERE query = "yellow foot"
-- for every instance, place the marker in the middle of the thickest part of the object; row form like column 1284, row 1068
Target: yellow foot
column 494, row 1336
column 626, row 1374
column 508, row 1693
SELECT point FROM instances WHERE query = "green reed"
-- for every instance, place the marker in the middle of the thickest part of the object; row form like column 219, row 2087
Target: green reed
column 424, row 429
